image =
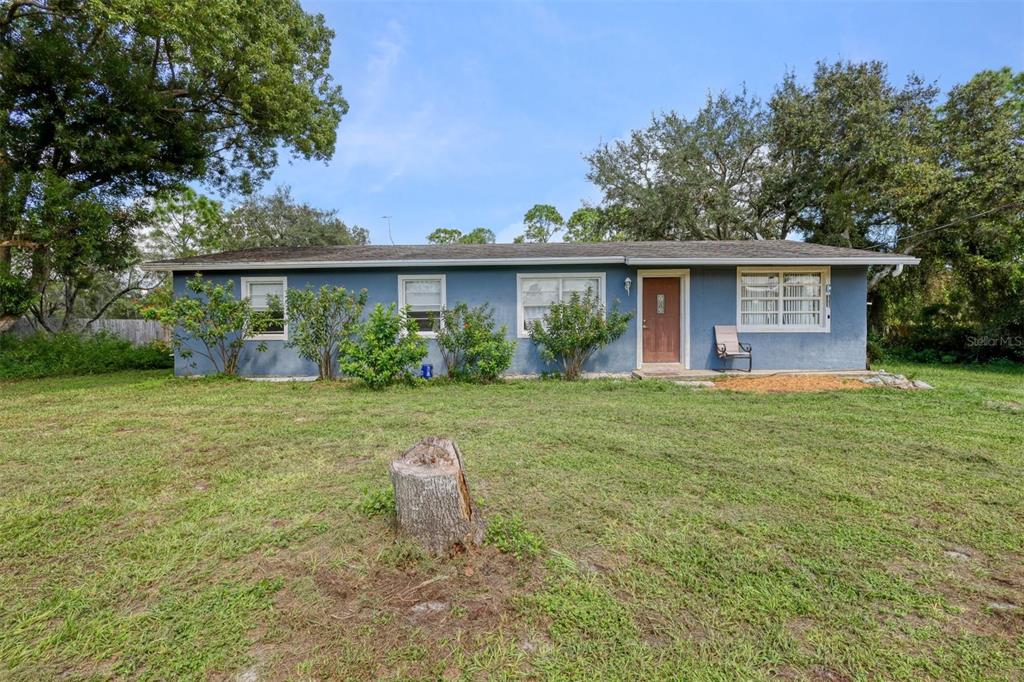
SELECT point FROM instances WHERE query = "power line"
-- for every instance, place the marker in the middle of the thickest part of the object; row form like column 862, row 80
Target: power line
column 1012, row 204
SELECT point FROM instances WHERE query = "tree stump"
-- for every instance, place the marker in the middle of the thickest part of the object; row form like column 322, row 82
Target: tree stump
column 432, row 499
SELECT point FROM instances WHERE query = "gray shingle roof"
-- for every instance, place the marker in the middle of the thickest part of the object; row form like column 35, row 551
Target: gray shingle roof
column 639, row 253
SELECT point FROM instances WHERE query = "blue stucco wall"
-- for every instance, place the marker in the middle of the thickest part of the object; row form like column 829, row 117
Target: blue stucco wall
column 712, row 301
column 474, row 286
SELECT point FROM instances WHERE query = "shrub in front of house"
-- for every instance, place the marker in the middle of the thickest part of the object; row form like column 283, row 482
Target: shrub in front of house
column 45, row 355
column 216, row 322
column 572, row 331
column 388, row 349
column 323, row 323
column 472, row 347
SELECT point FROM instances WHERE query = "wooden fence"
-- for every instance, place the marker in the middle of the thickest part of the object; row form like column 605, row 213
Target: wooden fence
column 139, row 332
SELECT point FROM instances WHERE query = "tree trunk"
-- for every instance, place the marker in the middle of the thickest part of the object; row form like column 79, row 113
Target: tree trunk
column 432, row 499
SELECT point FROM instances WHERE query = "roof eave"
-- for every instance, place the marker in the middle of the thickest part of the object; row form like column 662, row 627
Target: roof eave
column 411, row 263
column 781, row 260
column 881, row 259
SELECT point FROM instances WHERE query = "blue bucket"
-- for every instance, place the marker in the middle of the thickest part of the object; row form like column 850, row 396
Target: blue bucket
column 427, row 371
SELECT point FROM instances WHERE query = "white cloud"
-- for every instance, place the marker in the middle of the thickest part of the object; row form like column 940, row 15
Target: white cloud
column 398, row 125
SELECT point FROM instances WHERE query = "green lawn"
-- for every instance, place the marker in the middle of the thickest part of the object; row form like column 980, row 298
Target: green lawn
column 153, row 528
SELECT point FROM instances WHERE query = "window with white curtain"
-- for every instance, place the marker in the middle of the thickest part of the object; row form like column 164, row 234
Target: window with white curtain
column 790, row 299
column 537, row 293
column 259, row 291
column 425, row 297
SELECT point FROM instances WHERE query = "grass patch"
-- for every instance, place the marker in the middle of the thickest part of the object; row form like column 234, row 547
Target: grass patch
column 509, row 535
column 153, row 527
column 378, row 502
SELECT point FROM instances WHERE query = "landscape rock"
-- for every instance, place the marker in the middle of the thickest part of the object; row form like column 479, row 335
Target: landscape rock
column 428, row 607
column 899, row 381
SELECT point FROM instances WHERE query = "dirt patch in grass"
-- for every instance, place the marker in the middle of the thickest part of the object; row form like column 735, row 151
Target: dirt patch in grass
column 404, row 619
column 790, row 383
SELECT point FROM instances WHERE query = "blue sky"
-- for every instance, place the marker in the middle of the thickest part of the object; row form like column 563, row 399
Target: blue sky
column 465, row 115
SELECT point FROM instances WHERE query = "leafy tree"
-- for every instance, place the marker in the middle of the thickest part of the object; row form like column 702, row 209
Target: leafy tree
column 472, row 347
column 217, row 320
column 322, row 324
column 279, row 220
column 852, row 153
column 105, row 102
column 597, row 224
column 451, row 235
column 571, row 332
column 968, row 230
column 387, row 350
column 542, row 222
column 15, row 298
column 184, row 223
column 91, row 270
column 682, row 178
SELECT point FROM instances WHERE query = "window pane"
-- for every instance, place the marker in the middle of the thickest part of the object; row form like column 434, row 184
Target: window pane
column 801, row 312
column 579, row 285
column 540, row 292
column 423, row 292
column 759, row 285
column 802, row 285
column 259, row 293
column 759, row 319
column 424, row 319
column 759, row 305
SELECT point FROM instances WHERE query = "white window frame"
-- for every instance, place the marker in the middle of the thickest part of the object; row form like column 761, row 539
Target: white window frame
column 269, row 336
column 826, row 300
column 520, row 313
column 402, row 279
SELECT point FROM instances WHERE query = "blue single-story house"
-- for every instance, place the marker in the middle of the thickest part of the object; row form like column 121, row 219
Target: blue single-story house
column 801, row 306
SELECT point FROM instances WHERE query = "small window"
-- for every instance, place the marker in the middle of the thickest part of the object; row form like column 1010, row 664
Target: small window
column 425, row 297
column 783, row 300
column 259, row 291
column 537, row 293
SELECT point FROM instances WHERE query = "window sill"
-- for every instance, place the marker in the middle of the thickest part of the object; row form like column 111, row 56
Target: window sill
column 267, row 337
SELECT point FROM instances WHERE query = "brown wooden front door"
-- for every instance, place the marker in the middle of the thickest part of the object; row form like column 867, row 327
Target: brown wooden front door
column 661, row 319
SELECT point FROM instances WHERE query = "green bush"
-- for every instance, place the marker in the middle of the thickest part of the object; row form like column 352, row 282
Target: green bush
column 42, row 355
column 387, row 350
column 218, row 321
column 509, row 535
column 472, row 347
column 322, row 324
column 572, row 331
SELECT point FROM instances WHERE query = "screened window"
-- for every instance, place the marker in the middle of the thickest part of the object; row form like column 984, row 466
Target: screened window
column 783, row 300
column 260, row 291
column 537, row 293
column 425, row 297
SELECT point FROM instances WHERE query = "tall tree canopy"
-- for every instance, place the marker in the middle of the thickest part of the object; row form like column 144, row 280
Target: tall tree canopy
column 542, row 221
column 853, row 155
column 452, row 235
column 694, row 178
column 279, row 220
column 106, row 101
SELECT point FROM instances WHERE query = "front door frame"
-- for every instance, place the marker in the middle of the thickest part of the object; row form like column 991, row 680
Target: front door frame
column 684, row 312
